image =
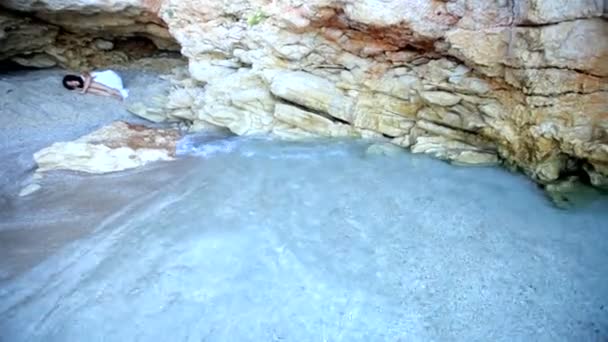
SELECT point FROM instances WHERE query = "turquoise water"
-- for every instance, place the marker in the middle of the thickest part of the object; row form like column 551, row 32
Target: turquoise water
column 256, row 240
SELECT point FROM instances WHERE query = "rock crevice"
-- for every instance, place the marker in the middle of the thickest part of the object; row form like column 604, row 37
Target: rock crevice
column 79, row 35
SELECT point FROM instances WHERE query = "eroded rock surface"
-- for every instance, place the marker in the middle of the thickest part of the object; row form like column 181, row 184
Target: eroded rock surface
column 116, row 147
column 521, row 82
column 474, row 82
column 80, row 34
column 19, row 35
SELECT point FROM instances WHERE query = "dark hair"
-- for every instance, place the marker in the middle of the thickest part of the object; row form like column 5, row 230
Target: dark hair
column 69, row 78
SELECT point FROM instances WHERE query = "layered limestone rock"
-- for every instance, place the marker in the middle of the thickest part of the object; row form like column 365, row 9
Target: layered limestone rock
column 80, row 34
column 20, row 35
column 475, row 82
column 116, row 147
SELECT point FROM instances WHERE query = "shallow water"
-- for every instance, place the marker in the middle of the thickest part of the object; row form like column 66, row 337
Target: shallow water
column 255, row 240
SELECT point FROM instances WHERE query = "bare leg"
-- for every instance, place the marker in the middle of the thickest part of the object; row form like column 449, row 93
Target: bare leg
column 105, row 90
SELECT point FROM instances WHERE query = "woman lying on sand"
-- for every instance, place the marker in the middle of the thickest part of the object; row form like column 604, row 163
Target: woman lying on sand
column 106, row 83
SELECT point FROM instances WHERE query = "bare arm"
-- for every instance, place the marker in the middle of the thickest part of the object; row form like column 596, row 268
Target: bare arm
column 88, row 79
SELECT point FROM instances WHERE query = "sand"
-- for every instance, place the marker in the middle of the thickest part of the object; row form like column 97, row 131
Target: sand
column 36, row 111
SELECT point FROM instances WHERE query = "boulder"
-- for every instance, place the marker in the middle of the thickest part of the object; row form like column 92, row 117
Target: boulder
column 116, row 147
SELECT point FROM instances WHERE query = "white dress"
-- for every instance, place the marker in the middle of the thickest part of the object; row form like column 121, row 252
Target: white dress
column 110, row 79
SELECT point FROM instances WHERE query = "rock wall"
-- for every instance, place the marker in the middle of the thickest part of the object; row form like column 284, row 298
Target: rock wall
column 475, row 82
column 80, row 34
column 520, row 82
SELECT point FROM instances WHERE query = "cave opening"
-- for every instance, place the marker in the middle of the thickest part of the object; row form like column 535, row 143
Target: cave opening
column 10, row 66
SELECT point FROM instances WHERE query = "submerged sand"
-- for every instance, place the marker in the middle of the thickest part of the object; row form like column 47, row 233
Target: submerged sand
column 274, row 241
column 256, row 240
